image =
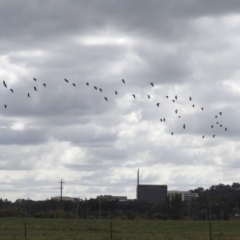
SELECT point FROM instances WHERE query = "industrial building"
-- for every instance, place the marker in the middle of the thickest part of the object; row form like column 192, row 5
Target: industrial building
column 151, row 193
column 185, row 195
column 59, row 198
column 110, row 197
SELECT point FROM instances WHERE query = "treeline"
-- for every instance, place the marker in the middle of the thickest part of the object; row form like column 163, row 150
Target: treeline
column 219, row 202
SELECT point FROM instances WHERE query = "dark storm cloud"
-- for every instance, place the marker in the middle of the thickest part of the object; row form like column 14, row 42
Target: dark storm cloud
column 35, row 21
column 25, row 137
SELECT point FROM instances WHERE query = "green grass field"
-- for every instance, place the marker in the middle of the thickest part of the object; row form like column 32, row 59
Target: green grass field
column 64, row 229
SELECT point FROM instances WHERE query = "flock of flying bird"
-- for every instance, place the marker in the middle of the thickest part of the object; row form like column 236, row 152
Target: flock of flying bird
column 134, row 96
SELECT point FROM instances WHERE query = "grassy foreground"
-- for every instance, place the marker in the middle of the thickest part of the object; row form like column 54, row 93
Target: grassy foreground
column 64, row 229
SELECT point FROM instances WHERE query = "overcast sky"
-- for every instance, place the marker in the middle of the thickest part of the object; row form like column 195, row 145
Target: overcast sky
column 185, row 48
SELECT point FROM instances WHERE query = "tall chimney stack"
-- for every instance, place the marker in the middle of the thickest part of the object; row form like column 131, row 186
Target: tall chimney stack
column 138, row 177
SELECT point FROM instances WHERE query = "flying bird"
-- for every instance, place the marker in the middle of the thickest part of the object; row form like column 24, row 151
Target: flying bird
column 193, row 106
column 134, row 96
column 202, row 136
column 116, row 92
column 28, row 95
column 202, row 108
column 176, row 97
column 176, row 111
column 160, row 119
column 35, row 79
column 220, row 125
column 212, row 126
column 95, row 87
column 225, row 129
column 87, row 84
column 158, row 104
column 66, row 80
column 74, row 84
column 5, row 106
column 164, row 120
column 166, row 96
column 11, row 90
column 152, row 84
column 44, row 84
column 123, row 81
column 190, row 99
column 105, row 98
column 213, row 136
column 184, row 126
column 173, row 100
column 149, row 96
column 35, row 89
column 172, row 133
column 100, row 89
column 179, row 116
column 220, row 113
column 5, row 85
column 216, row 122
column 215, row 116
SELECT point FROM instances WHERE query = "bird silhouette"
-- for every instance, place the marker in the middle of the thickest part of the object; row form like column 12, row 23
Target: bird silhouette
column 220, row 113
column 220, row 125
column 190, row 99
column 166, row 96
column 202, row 108
column 5, row 85
column 95, row 87
column 100, row 89
column 184, row 126
column 134, row 96
column 28, row 95
column 116, row 92
column 176, row 111
column 179, row 116
column 123, row 81
column 35, row 79
column 152, row 84
column 105, row 98
column 212, row 126
column 164, row 120
column 5, row 106
column 149, row 96
column 87, row 84
column 66, row 80
column 173, row 100
column 216, row 122
column 158, row 104
column 214, row 136
column 202, row 136
column 74, row 84
column 11, row 90
column 176, row 97
column 225, row 129
column 172, row 133
column 160, row 119
column 193, row 106
column 44, row 84
column 215, row 116
column 35, row 89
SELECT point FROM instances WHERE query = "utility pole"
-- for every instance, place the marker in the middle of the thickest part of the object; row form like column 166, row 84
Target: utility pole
column 77, row 209
column 189, row 204
column 210, row 205
column 100, row 209
column 61, row 188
